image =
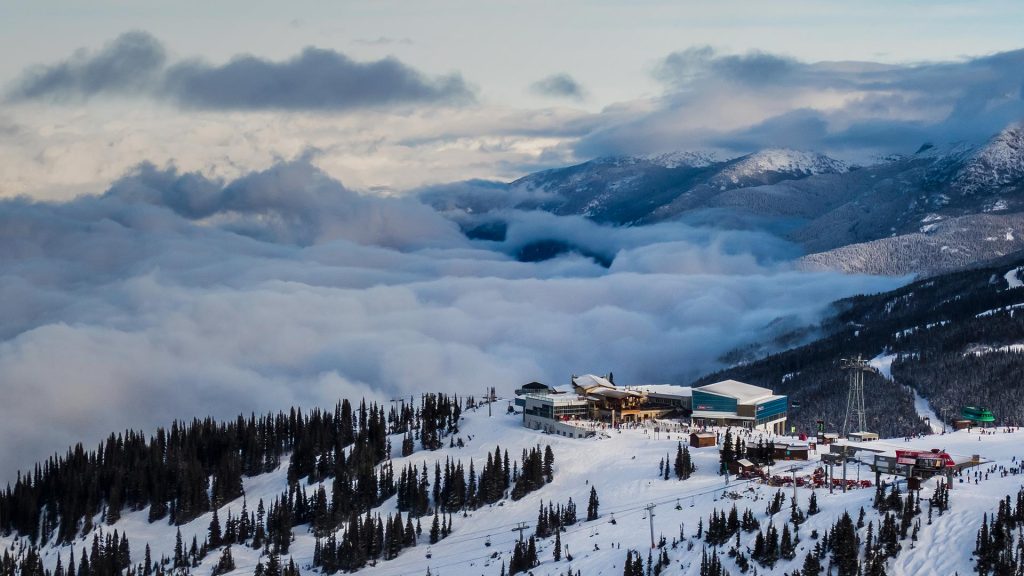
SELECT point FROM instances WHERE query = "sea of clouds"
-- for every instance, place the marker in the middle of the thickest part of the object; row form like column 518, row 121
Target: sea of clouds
column 173, row 295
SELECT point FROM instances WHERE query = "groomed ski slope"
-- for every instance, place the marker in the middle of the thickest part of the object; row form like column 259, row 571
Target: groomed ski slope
column 623, row 466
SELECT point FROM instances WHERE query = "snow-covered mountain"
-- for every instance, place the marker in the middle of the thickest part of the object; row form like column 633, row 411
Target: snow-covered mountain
column 681, row 159
column 940, row 245
column 779, row 161
column 997, row 165
column 807, row 197
column 625, row 190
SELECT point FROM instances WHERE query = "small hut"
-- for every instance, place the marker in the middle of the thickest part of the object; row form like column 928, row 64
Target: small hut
column 741, row 466
column 784, row 451
column 703, row 439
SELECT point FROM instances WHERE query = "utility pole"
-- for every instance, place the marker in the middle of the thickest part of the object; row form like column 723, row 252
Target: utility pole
column 490, row 399
column 844, row 468
column 650, row 516
column 831, row 475
column 793, row 470
column 522, row 526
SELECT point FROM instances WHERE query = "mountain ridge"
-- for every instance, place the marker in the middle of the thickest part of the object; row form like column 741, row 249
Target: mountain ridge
column 823, row 204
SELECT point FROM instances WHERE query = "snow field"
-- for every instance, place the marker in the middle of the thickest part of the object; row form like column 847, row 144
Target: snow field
column 623, row 466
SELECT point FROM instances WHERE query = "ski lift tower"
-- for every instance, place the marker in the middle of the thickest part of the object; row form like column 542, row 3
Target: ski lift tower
column 855, row 399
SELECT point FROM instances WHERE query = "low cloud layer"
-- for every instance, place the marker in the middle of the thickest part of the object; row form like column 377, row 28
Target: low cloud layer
column 135, row 64
column 173, row 295
column 559, row 86
column 745, row 102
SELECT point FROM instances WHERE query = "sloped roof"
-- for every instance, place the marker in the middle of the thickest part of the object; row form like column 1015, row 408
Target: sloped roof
column 612, row 393
column 588, row 381
column 666, row 389
column 744, row 393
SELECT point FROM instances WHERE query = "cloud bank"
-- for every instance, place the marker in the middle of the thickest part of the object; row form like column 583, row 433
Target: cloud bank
column 413, row 130
column 136, row 64
column 174, row 295
column 745, row 102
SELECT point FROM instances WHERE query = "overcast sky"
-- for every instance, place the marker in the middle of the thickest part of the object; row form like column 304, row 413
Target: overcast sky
column 394, row 95
column 608, row 46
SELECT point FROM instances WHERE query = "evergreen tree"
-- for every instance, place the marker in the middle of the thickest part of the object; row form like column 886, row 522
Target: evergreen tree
column 435, row 530
column 787, row 550
column 845, row 549
column 214, row 536
column 592, row 505
column 226, row 563
column 726, row 453
column 812, row 565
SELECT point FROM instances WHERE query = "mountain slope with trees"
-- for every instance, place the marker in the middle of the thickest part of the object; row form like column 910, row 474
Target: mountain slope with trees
column 957, row 339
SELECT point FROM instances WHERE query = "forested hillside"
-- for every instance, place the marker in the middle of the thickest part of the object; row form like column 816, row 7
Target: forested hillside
column 956, row 339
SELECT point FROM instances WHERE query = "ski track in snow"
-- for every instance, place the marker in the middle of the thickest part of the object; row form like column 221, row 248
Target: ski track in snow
column 624, row 468
column 883, row 363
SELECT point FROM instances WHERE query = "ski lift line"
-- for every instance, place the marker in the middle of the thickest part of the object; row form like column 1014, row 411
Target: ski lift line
column 620, row 511
column 624, row 511
column 485, row 532
column 419, row 571
column 482, row 533
column 496, row 542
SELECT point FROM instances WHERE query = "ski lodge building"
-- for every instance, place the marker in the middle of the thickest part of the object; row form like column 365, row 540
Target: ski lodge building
column 572, row 410
column 733, row 403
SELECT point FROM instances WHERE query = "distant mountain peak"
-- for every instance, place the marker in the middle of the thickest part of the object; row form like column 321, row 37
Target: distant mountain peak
column 999, row 163
column 783, row 161
column 682, row 159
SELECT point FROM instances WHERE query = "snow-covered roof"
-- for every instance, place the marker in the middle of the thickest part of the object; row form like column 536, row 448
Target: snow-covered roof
column 665, row 389
column 612, row 392
column 745, row 463
column 744, row 393
column 559, row 399
column 588, row 381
